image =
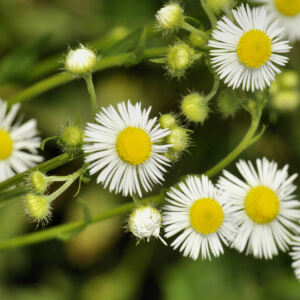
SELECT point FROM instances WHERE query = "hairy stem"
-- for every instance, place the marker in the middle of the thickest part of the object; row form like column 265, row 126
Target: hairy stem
column 209, row 13
column 59, row 231
column 90, row 87
column 43, row 167
column 64, row 77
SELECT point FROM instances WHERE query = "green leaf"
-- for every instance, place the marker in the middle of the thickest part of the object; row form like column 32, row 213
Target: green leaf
column 126, row 44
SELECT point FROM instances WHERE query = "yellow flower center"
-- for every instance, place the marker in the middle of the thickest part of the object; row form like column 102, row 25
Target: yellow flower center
column 6, row 144
column 288, row 7
column 134, row 145
column 206, row 215
column 262, row 204
column 254, row 48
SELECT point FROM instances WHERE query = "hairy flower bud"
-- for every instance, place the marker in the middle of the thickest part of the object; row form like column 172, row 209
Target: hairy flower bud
column 167, row 121
column 170, row 16
column 194, row 108
column 145, row 222
column 218, row 5
column 228, row 104
column 38, row 182
column 72, row 136
column 37, row 207
column 178, row 138
column 179, row 59
column 80, row 61
column 196, row 40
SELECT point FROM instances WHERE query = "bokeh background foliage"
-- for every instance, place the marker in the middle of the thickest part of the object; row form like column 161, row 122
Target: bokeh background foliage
column 102, row 262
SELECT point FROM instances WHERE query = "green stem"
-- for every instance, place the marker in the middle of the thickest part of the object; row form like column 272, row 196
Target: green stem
column 65, row 186
column 239, row 148
column 214, row 88
column 58, row 231
column 209, row 13
column 62, row 78
column 192, row 29
column 43, row 167
column 90, row 87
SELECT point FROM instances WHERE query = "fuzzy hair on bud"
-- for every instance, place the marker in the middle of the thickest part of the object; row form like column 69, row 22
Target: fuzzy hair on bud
column 194, row 108
column 167, row 121
column 37, row 207
column 170, row 16
column 72, row 136
column 145, row 222
column 80, row 61
column 179, row 58
column 228, row 105
column 178, row 138
column 38, row 182
column 196, row 40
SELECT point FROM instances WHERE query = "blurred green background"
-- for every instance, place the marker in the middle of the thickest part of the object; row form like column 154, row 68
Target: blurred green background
column 103, row 262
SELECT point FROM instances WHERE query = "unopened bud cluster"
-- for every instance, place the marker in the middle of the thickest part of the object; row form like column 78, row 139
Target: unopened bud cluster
column 80, row 61
column 284, row 91
column 178, row 137
column 194, row 108
column 145, row 222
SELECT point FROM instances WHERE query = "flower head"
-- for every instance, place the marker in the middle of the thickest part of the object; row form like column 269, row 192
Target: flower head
column 124, row 146
column 170, row 16
column 245, row 53
column 267, row 208
column 19, row 143
column 200, row 213
column 287, row 12
column 145, row 222
column 80, row 61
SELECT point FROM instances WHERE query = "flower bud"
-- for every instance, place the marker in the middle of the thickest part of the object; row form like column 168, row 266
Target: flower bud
column 218, row 5
column 167, row 121
column 172, row 155
column 72, row 137
column 145, row 222
column 196, row 40
column 287, row 100
column 178, row 138
column 38, row 182
column 80, row 61
column 170, row 16
column 194, row 108
column 228, row 104
column 37, row 207
column 179, row 59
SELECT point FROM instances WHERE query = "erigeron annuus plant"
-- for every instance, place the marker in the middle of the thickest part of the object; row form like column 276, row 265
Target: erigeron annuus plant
column 130, row 151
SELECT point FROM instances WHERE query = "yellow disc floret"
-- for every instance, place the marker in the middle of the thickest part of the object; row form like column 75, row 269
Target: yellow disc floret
column 288, row 8
column 262, row 204
column 206, row 215
column 6, row 143
column 254, row 48
column 134, row 145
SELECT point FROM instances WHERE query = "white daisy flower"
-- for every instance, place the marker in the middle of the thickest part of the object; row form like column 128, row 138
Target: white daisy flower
column 19, row 143
column 267, row 208
column 287, row 12
column 295, row 254
column 245, row 53
column 125, row 147
column 202, row 216
column 145, row 222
